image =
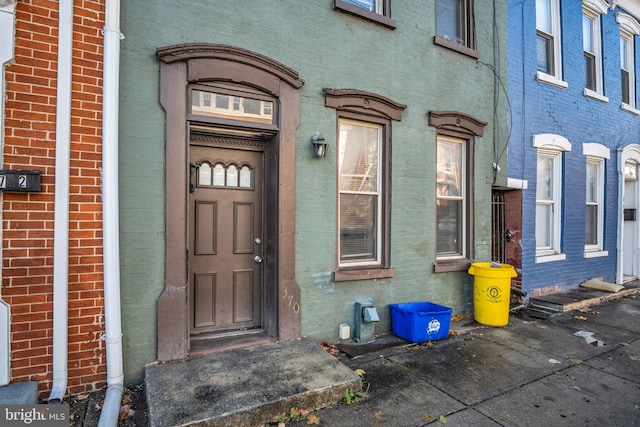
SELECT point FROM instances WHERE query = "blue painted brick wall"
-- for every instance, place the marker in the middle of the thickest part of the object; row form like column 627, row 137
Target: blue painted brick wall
column 542, row 108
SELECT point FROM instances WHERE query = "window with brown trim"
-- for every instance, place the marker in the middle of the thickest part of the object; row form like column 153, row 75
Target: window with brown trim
column 363, row 149
column 378, row 11
column 455, row 26
column 454, row 188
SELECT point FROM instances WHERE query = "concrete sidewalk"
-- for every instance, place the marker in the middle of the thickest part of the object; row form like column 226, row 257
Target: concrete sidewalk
column 529, row 373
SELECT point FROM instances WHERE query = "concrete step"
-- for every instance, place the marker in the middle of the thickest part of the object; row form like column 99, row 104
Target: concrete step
column 22, row 393
column 246, row 386
column 579, row 298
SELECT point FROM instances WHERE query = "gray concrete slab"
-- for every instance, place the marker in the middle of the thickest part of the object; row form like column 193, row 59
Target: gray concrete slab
column 557, row 340
column 394, row 397
column 466, row 418
column 474, row 369
column 623, row 361
column 577, row 396
column 21, row 393
column 245, row 387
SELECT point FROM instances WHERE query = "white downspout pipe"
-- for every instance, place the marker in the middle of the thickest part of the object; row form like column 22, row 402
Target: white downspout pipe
column 110, row 218
column 61, row 200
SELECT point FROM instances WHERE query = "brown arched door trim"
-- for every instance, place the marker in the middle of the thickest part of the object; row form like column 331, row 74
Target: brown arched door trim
column 180, row 66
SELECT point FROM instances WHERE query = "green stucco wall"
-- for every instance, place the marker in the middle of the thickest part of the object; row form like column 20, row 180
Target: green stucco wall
column 328, row 49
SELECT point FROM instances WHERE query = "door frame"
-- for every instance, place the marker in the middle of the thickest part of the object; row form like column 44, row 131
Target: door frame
column 181, row 65
column 628, row 153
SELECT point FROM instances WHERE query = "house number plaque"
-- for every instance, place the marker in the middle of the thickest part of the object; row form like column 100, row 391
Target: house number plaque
column 19, row 180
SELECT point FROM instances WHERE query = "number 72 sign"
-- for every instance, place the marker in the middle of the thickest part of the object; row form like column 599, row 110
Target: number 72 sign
column 19, row 180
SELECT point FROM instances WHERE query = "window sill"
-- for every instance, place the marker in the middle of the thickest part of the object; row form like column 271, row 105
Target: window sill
column 595, row 254
column 546, row 78
column 630, row 109
column 365, row 14
column 374, row 273
column 446, row 266
column 595, row 95
column 540, row 259
column 441, row 41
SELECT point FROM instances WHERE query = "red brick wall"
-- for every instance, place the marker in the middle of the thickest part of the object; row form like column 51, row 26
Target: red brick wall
column 28, row 219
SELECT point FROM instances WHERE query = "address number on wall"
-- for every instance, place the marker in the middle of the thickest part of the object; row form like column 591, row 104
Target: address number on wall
column 19, row 180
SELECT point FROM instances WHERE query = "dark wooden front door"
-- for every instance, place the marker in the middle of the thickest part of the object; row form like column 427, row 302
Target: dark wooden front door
column 225, row 239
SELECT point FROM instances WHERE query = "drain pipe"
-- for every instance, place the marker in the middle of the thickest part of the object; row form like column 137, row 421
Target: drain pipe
column 110, row 220
column 61, row 200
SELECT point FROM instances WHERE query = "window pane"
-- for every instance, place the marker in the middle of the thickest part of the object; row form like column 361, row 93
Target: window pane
column 624, row 60
column 587, row 34
column 358, row 157
column 590, row 71
column 592, row 183
column 365, row 4
column 222, row 101
column 449, row 217
column 358, row 225
column 218, row 175
column 625, row 86
column 544, row 54
column 450, row 20
column 245, row 177
column 449, row 169
column 544, row 189
column 543, row 15
column 591, row 222
column 231, row 107
column 544, row 225
column 232, row 176
column 204, row 174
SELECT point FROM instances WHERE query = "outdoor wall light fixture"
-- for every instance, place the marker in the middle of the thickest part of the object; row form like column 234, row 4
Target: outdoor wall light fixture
column 320, row 146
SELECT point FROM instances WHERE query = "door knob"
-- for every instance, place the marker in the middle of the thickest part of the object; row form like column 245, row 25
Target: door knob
column 258, row 259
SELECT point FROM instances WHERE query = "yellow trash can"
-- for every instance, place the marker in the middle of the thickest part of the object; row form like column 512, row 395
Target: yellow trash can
column 491, row 292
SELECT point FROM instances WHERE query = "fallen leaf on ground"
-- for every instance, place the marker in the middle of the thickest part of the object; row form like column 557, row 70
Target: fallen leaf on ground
column 330, row 348
column 360, row 372
column 554, row 361
column 82, row 396
column 575, row 361
column 442, row 419
column 581, row 318
column 634, row 358
column 312, row 419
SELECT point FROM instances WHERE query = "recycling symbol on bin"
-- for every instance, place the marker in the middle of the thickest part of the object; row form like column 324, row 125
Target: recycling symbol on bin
column 433, row 326
column 494, row 293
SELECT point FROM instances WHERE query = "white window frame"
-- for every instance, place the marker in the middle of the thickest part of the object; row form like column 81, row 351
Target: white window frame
column 592, row 9
column 378, row 193
column 462, row 198
column 629, row 28
column 552, row 146
column 597, row 154
column 555, row 35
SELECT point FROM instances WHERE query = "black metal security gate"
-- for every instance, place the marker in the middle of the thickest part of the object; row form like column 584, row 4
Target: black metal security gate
column 498, row 227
